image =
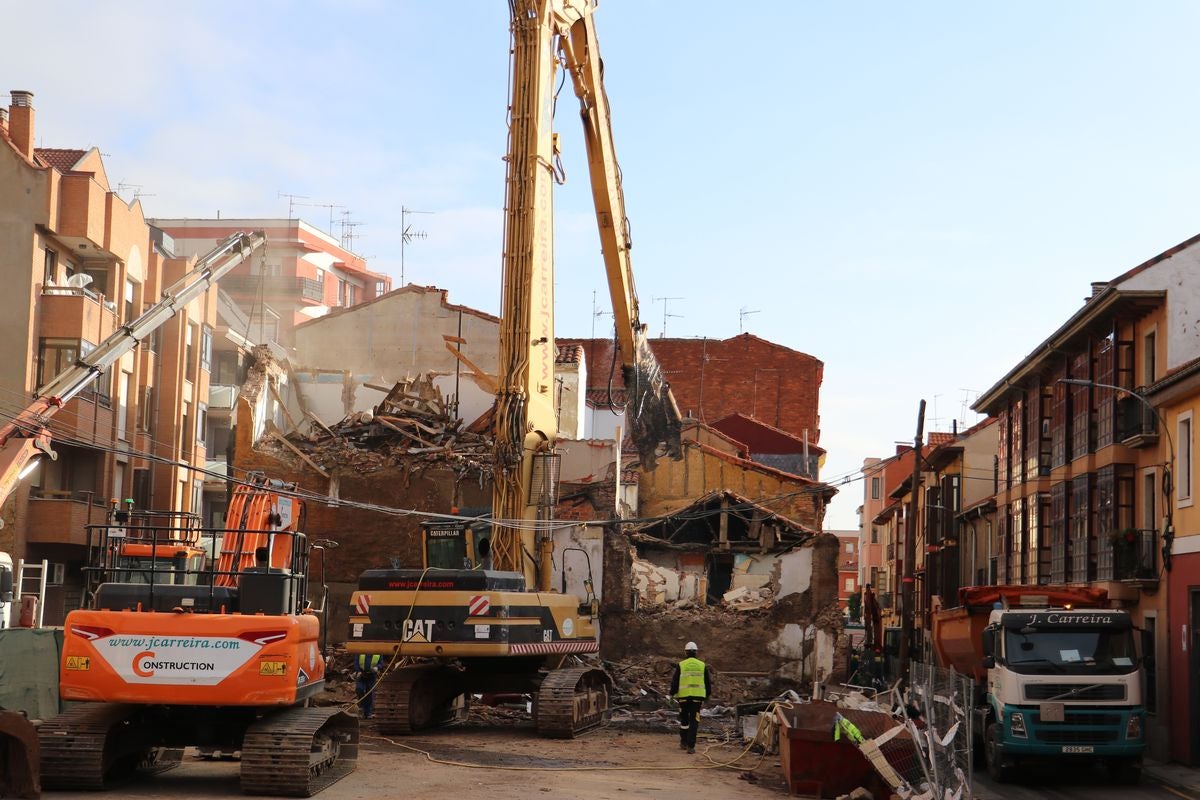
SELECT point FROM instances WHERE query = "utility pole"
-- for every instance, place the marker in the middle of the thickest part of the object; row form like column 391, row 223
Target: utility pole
column 908, row 589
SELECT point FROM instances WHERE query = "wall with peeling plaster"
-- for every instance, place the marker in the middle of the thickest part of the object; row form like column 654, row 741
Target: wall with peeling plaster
column 793, row 639
column 579, row 566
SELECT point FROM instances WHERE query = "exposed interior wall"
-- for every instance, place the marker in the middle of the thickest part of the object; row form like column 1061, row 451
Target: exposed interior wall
column 791, row 639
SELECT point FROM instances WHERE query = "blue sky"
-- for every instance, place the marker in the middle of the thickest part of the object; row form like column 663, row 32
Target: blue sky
column 917, row 194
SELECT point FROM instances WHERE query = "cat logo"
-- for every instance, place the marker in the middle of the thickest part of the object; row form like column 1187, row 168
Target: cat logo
column 79, row 663
column 418, row 630
column 274, row 668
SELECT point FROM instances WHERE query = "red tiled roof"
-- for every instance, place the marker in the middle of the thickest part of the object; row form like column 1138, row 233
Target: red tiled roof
column 766, row 437
column 62, row 159
column 941, row 437
column 568, row 353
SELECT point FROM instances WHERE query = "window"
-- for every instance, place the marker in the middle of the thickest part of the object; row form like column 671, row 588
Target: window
column 1148, row 359
column 875, row 488
column 50, row 273
column 1183, row 481
column 189, row 357
column 123, row 405
column 206, row 340
column 145, row 416
column 1149, row 635
column 874, row 535
column 130, row 294
column 849, row 584
column 850, row 548
column 54, row 356
column 197, row 496
column 185, row 428
column 201, row 421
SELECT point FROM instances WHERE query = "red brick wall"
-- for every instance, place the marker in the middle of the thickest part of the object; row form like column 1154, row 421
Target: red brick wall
column 713, row 378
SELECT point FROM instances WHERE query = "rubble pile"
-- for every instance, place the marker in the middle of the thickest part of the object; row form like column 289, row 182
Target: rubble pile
column 411, row 426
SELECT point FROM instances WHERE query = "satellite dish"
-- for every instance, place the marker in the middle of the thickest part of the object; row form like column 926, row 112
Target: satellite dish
column 79, row 281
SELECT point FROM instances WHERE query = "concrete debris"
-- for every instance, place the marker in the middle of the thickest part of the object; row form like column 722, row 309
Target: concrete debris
column 411, row 426
column 744, row 598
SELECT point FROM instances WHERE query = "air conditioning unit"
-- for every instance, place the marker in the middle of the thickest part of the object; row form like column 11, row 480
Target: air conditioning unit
column 57, row 575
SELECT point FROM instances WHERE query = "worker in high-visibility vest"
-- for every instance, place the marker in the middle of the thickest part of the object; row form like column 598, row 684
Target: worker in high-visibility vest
column 366, row 673
column 690, row 685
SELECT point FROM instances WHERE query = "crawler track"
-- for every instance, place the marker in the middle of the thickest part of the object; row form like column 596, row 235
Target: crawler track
column 414, row 698
column 571, row 701
column 299, row 751
column 97, row 745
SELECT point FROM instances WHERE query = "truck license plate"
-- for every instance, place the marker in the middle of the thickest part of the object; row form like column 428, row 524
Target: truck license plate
column 1052, row 712
column 1077, row 748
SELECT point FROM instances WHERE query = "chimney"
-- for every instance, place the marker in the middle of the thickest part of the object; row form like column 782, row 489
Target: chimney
column 1097, row 288
column 20, row 121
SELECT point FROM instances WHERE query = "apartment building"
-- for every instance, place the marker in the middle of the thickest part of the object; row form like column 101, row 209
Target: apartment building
column 847, row 562
column 302, row 273
column 1095, row 475
column 79, row 263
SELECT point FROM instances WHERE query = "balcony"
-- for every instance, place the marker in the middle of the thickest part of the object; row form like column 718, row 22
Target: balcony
column 891, row 551
column 74, row 313
column 1135, row 557
column 221, row 398
column 61, row 517
column 275, row 286
column 1137, row 424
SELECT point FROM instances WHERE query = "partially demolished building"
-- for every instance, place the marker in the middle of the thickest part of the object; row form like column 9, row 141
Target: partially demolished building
column 391, row 415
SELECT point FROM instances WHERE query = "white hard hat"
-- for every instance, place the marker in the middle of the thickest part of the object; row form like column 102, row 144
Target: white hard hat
column 690, row 647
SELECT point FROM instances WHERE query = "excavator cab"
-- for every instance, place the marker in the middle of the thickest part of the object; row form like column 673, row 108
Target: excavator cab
column 456, row 544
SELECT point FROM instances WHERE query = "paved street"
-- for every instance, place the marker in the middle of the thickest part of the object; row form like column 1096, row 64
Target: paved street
column 1045, row 784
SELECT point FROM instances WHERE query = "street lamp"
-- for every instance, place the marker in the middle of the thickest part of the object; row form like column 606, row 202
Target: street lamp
column 1168, row 534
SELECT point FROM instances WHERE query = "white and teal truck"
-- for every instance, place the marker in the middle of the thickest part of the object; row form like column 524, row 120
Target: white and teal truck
column 1057, row 678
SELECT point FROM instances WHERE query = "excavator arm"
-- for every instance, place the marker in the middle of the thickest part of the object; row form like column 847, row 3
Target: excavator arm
column 526, row 414
column 27, row 437
column 651, row 411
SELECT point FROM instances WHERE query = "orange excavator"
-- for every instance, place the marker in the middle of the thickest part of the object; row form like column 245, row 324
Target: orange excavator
column 225, row 657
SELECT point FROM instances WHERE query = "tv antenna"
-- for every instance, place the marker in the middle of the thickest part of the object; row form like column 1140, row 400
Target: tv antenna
column 330, row 206
column 292, row 198
column 348, row 233
column 664, row 301
column 407, row 234
column 742, row 314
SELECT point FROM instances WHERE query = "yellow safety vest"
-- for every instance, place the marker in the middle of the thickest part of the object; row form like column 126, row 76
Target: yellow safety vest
column 691, row 678
column 367, row 662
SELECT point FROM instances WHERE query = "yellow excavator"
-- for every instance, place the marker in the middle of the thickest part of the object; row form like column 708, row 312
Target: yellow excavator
column 461, row 625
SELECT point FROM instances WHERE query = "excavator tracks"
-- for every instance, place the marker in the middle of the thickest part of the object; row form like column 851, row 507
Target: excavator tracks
column 572, row 701
column 96, row 745
column 414, row 698
column 299, row 751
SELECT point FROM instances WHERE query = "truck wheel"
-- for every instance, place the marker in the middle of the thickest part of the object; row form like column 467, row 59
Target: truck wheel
column 1125, row 771
column 1000, row 770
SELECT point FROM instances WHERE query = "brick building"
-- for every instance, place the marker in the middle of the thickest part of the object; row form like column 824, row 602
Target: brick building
column 301, row 275
column 79, row 263
column 712, row 379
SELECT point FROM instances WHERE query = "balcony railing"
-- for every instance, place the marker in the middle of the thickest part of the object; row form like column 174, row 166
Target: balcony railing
column 221, row 397
column 1135, row 556
column 287, row 285
column 60, row 517
column 1137, row 425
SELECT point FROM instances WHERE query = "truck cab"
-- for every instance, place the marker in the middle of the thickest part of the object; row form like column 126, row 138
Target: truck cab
column 1062, row 683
